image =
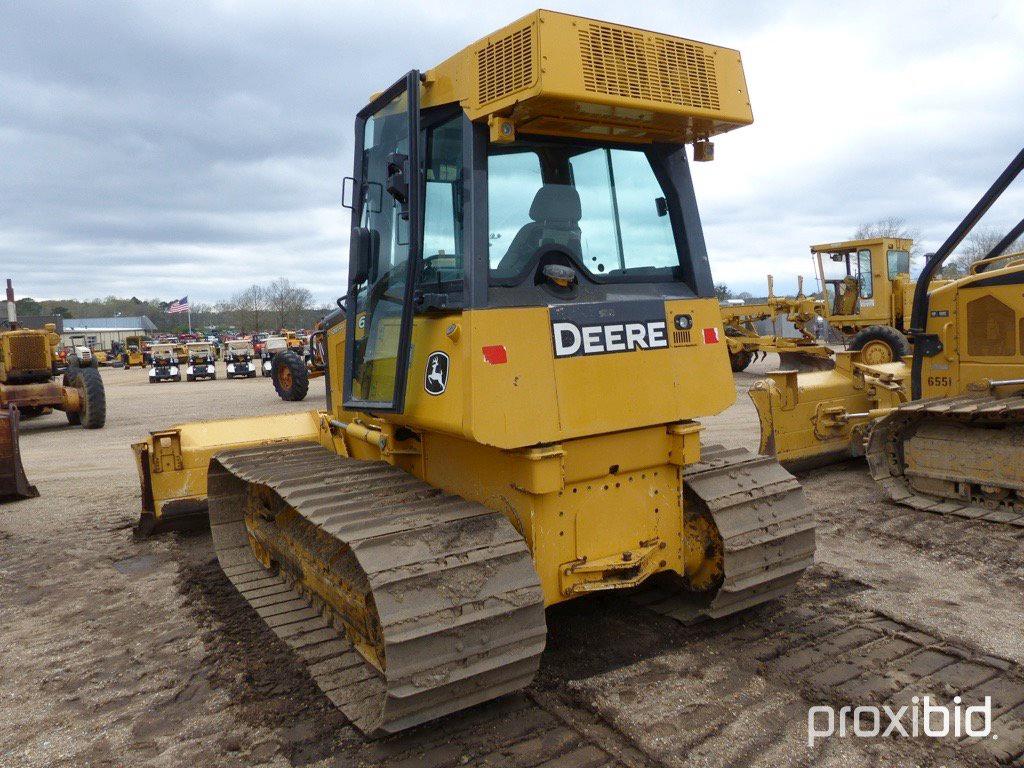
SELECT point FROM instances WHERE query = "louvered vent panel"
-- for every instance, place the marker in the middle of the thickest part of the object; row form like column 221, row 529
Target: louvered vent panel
column 991, row 328
column 632, row 64
column 29, row 352
column 505, row 66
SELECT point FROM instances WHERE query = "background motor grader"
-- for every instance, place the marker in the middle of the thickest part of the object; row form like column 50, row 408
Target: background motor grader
column 514, row 388
column 745, row 342
column 868, row 294
column 944, row 431
column 28, row 388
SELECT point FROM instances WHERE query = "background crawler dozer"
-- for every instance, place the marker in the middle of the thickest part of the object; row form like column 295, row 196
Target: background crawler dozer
column 514, row 387
column 944, row 431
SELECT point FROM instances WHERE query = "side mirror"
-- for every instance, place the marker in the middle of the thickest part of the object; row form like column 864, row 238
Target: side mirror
column 661, row 206
column 359, row 254
column 348, row 192
column 398, row 180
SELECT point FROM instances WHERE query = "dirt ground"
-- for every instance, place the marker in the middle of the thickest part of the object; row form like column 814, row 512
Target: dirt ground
column 119, row 652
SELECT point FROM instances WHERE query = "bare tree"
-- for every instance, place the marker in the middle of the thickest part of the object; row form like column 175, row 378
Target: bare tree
column 891, row 226
column 248, row 307
column 287, row 301
column 977, row 246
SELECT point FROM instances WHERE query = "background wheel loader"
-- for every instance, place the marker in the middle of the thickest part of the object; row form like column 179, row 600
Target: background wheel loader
column 28, row 388
column 944, row 432
column 530, row 332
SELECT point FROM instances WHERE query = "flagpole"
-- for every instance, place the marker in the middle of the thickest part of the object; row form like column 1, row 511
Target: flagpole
column 190, row 319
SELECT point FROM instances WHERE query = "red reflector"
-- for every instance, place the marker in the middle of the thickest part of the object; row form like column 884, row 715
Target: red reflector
column 496, row 355
column 710, row 335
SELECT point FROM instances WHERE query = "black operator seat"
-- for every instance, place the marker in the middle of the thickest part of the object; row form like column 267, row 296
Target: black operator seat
column 555, row 222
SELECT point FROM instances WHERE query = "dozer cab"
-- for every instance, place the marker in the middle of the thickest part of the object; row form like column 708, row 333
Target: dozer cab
column 239, row 359
column 164, row 363
column 943, row 429
column 202, row 361
column 530, row 334
column 29, row 388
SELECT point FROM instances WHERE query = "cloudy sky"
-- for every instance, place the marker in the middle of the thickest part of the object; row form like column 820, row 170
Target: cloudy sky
column 159, row 149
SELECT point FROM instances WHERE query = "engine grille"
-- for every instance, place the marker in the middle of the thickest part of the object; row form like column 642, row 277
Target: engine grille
column 505, row 65
column 991, row 328
column 27, row 352
column 639, row 65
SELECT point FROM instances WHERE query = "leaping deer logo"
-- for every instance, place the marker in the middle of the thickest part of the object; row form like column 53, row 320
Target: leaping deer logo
column 437, row 373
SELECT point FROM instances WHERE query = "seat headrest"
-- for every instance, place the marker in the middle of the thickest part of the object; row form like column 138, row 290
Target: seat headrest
column 556, row 202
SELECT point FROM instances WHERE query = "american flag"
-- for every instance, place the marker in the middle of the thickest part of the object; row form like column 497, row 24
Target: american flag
column 181, row 305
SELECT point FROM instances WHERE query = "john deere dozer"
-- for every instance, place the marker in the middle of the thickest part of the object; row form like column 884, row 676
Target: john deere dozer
column 28, row 388
column 530, row 333
column 944, row 431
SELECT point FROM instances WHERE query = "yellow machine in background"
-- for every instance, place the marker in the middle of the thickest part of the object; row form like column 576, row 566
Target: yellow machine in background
column 28, row 388
column 514, row 387
column 868, row 294
column 134, row 352
column 943, row 430
column 746, row 343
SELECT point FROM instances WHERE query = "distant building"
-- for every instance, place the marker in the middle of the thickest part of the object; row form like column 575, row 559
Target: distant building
column 36, row 322
column 102, row 332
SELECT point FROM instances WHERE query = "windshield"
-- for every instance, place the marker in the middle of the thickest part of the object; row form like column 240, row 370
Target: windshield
column 602, row 206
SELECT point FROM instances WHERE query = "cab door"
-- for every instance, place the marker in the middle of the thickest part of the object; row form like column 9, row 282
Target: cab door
column 384, row 250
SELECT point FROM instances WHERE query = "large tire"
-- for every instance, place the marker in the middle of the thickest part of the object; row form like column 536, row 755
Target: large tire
column 880, row 344
column 89, row 384
column 291, row 378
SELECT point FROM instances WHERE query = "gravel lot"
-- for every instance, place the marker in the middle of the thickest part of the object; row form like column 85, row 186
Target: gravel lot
column 123, row 652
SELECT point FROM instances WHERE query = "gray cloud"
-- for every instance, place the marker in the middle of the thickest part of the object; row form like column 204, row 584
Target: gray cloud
column 171, row 148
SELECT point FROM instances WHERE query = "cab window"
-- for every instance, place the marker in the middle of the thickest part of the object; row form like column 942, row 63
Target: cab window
column 601, row 207
column 899, row 263
column 443, row 246
column 864, row 273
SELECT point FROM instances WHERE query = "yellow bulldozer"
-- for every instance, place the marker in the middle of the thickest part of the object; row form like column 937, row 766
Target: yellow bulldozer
column 28, row 388
column 943, row 427
column 530, row 333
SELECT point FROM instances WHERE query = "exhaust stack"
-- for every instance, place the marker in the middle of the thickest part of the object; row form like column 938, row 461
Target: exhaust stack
column 12, row 311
